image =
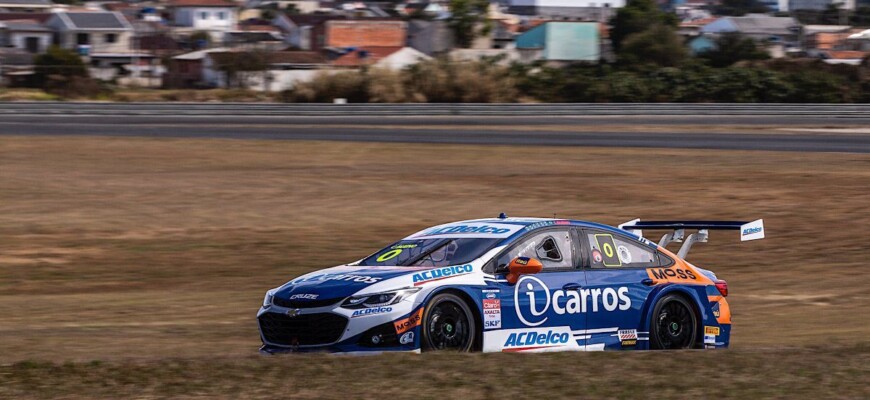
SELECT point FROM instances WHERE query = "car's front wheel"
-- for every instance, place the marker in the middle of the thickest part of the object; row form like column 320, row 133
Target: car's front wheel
column 448, row 324
column 674, row 324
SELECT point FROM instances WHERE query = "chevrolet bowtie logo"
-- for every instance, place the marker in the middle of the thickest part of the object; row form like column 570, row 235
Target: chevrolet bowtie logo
column 292, row 312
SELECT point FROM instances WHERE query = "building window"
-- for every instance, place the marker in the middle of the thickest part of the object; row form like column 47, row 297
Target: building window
column 83, row 38
column 203, row 15
column 111, row 38
column 222, row 15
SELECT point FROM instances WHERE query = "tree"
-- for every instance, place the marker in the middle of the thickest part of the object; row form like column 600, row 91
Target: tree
column 658, row 45
column 240, row 67
column 200, row 39
column 731, row 48
column 59, row 62
column 638, row 16
column 466, row 16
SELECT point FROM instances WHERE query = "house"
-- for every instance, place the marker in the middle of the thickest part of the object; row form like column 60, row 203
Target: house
column 818, row 5
column 783, row 31
column 365, row 33
column 430, row 37
column 283, row 70
column 25, row 34
column 828, row 37
column 92, row 33
column 849, row 57
column 26, row 5
column 561, row 42
column 859, row 41
column 393, row 58
column 185, row 70
column 16, row 67
column 213, row 16
column 593, row 10
column 305, row 32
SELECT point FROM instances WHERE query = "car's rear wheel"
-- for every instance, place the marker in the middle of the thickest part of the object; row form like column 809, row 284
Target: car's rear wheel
column 448, row 324
column 674, row 324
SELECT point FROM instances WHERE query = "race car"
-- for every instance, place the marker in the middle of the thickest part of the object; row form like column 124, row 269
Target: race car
column 511, row 285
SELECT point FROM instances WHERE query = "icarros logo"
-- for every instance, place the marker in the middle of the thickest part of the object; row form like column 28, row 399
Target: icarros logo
column 540, row 300
column 438, row 274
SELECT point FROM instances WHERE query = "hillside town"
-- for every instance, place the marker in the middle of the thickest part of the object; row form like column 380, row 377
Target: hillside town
column 274, row 45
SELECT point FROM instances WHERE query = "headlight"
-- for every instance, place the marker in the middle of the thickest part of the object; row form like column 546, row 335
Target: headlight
column 379, row 299
column 267, row 301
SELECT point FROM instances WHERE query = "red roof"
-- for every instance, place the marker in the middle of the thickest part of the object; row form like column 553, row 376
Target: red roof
column 846, row 54
column 202, row 3
column 364, row 56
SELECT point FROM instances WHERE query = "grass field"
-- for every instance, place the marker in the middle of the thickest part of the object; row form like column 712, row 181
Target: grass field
column 134, row 267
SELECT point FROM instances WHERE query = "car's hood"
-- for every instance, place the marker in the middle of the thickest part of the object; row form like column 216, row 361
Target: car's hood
column 338, row 282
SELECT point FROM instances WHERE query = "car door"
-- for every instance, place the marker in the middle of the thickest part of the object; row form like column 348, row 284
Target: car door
column 617, row 286
column 541, row 312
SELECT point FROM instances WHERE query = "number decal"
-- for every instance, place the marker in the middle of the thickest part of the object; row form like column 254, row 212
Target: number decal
column 389, row 255
column 608, row 247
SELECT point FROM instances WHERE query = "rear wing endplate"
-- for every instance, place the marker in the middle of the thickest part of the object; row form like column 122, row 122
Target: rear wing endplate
column 753, row 230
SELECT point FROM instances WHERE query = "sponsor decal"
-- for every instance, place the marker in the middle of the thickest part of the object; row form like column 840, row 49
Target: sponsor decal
column 292, row 312
column 491, row 313
column 522, row 260
column 565, row 302
column 716, row 313
column 407, row 338
column 671, row 273
column 477, row 230
column 709, row 339
column 627, row 337
column 404, row 246
column 304, row 296
column 711, row 330
column 528, row 340
column 608, row 249
column 404, row 325
column 338, row 277
column 365, row 312
column 441, row 273
column 596, row 256
column 491, row 295
column 749, row 231
column 624, row 254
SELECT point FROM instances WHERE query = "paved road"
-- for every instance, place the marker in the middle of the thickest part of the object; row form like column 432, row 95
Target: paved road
column 229, row 122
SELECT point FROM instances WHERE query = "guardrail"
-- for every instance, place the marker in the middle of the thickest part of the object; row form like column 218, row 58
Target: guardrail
column 573, row 109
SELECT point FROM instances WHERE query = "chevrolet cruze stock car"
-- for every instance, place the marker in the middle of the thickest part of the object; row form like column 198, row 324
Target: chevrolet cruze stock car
column 511, row 285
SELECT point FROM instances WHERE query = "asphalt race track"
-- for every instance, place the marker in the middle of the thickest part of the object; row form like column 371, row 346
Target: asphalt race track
column 274, row 122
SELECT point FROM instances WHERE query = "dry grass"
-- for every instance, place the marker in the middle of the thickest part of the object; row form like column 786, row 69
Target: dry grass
column 134, row 250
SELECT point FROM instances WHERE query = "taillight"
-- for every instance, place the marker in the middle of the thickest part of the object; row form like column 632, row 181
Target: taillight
column 723, row 287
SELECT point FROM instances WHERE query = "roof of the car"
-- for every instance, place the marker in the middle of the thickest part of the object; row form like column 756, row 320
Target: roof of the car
column 535, row 223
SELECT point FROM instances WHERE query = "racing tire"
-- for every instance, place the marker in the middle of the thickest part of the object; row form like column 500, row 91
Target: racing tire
column 674, row 325
column 448, row 324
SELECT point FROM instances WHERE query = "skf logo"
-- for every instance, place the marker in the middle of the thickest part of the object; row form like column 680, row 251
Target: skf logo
column 711, row 330
column 403, row 325
column 441, row 273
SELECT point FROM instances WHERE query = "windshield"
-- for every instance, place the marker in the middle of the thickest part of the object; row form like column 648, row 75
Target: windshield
column 430, row 252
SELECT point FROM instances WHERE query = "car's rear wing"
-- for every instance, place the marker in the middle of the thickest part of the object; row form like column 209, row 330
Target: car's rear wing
column 753, row 230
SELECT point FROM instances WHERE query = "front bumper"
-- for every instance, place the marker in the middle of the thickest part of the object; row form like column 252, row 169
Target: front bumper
column 335, row 330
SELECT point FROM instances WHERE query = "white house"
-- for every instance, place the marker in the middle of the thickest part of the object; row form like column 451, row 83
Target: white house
column 213, row 16
column 92, row 33
column 27, row 35
column 25, row 5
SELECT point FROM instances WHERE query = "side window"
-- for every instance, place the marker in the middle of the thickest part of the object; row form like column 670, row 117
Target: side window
column 611, row 251
column 553, row 248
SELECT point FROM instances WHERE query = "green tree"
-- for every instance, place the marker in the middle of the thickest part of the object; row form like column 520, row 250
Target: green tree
column 638, row 16
column 657, row 45
column 200, row 36
column 466, row 19
column 58, row 62
column 731, row 48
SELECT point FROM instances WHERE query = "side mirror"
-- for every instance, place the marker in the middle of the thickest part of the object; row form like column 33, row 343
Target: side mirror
column 522, row 266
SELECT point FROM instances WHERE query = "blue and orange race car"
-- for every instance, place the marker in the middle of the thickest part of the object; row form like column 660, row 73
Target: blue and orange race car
column 511, row 285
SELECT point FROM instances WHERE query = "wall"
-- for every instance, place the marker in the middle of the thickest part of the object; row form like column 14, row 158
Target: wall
column 18, row 40
column 191, row 17
column 365, row 33
column 98, row 41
